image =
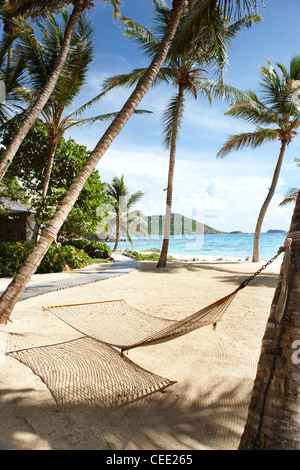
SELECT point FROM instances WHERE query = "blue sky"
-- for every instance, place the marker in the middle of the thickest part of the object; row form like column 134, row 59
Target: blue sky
column 223, row 193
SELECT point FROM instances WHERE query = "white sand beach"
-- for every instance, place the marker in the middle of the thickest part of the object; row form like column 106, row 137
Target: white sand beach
column 213, row 371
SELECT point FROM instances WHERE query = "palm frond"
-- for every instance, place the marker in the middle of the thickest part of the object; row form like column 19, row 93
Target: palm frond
column 165, row 74
column 248, row 139
column 68, row 122
column 34, row 8
column 147, row 42
column 252, row 115
column 116, row 4
column 246, row 22
column 290, row 196
column 127, row 80
column 202, row 30
column 161, row 17
column 134, row 198
column 225, row 92
column 88, row 105
column 294, row 72
column 168, row 119
column 237, row 8
column 203, row 89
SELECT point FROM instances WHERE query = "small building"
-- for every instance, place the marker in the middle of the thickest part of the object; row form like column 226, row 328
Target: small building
column 17, row 221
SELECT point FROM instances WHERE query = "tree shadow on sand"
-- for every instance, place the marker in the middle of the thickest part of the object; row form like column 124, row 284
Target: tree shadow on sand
column 266, row 279
column 214, row 419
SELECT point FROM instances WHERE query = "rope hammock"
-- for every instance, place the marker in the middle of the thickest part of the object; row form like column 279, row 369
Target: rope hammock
column 118, row 324
column 88, row 370
column 85, row 371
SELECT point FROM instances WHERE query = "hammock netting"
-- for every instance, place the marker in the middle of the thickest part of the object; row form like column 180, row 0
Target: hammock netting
column 85, row 371
column 120, row 325
column 90, row 370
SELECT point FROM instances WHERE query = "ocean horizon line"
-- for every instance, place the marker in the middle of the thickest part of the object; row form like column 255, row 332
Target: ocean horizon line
column 238, row 245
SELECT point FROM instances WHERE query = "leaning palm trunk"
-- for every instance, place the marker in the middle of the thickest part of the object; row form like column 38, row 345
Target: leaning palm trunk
column 46, row 92
column 165, row 246
column 18, row 284
column 261, row 216
column 274, row 413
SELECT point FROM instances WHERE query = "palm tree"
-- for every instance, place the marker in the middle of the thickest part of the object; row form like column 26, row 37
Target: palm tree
column 276, row 108
column 18, row 284
column 122, row 202
column 33, row 8
column 290, row 196
column 184, row 70
column 69, row 84
column 273, row 421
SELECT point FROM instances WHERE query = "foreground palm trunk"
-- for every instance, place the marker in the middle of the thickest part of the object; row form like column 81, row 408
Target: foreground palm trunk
column 18, row 284
column 255, row 257
column 164, row 251
column 20, row 135
column 274, row 413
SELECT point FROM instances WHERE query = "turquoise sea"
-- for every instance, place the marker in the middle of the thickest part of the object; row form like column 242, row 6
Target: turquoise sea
column 238, row 245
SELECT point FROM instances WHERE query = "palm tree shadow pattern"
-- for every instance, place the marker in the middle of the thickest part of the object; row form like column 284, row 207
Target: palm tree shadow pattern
column 207, row 413
column 231, row 276
column 211, row 421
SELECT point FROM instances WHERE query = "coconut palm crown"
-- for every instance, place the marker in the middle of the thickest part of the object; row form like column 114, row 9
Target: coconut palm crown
column 276, row 116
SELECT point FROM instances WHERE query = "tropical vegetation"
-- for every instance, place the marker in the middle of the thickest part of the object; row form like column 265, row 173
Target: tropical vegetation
column 123, row 219
column 43, row 54
column 277, row 110
column 292, row 193
column 15, row 9
column 24, row 181
column 277, row 382
column 12, row 255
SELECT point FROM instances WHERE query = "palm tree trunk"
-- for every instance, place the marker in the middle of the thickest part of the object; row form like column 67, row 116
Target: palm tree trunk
column 117, row 231
column 18, row 284
column 165, row 246
column 263, row 210
column 45, row 94
column 53, row 147
column 274, row 413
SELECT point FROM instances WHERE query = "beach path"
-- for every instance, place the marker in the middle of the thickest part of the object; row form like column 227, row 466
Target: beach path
column 43, row 283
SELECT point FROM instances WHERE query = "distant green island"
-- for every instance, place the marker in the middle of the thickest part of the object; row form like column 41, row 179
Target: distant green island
column 180, row 225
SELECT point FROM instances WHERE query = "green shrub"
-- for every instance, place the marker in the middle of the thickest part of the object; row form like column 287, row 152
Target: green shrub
column 53, row 262
column 148, row 257
column 93, row 248
column 138, row 256
column 13, row 254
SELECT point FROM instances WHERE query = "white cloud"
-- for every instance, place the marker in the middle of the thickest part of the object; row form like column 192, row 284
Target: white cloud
column 229, row 201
